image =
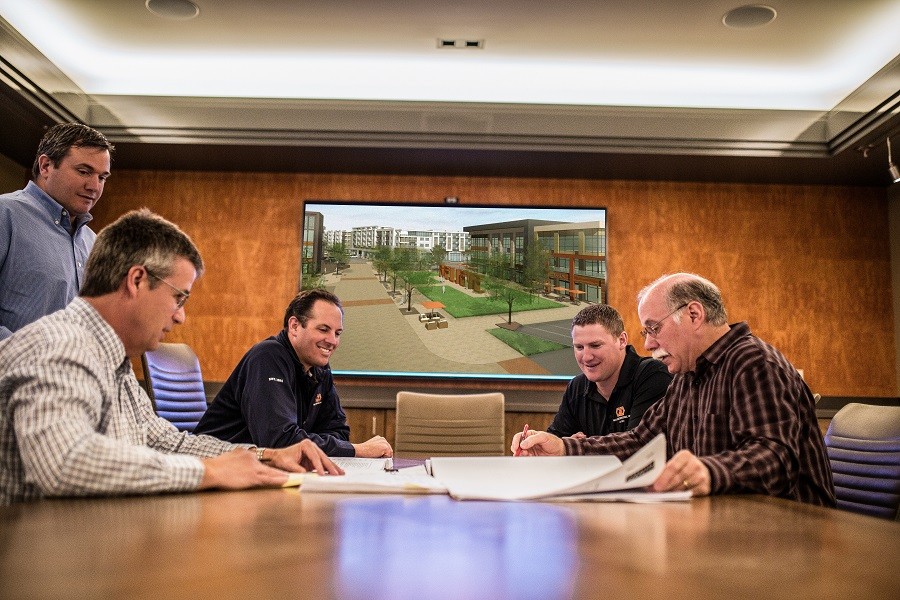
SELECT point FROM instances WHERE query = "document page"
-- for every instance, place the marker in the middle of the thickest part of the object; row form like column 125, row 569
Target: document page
column 352, row 464
column 537, row 477
column 633, row 496
column 371, row 475
column 374, row 482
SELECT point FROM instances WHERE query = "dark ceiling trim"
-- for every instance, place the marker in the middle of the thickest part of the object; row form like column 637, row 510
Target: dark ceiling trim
column 465, row 141
column 850, row 168
column 873, row 124
column 36, row 96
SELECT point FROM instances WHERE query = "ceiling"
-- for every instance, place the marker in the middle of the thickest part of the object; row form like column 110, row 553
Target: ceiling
column 647, row 89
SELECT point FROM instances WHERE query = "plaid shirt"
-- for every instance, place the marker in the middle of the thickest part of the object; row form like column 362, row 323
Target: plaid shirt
column 75, row 422
column 746, row 413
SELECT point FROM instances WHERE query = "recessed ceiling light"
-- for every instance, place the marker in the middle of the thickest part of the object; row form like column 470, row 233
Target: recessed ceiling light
column 460, row 43
column 177, row 10
column 749, row 16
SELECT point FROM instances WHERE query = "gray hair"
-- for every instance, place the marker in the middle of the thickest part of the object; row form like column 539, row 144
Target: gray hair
column 139, row 237
column 688, row 287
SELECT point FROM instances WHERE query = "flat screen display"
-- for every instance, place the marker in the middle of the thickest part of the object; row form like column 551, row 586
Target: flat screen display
column 455, row 290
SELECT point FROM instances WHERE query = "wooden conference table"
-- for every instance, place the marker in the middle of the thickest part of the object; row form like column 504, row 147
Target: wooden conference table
column 284, row 544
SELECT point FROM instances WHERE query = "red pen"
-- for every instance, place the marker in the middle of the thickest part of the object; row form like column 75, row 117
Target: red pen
column 524, row 435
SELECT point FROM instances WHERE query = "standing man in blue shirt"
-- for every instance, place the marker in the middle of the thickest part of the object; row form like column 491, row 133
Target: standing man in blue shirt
column 44, row 237
column 616, row 385
column 282, row 391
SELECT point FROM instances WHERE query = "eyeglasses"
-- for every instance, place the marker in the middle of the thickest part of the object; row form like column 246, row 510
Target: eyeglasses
column 182, row 294
column 653, row 330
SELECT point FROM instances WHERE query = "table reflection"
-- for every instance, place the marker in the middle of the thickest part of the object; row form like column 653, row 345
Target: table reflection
column 433, row 547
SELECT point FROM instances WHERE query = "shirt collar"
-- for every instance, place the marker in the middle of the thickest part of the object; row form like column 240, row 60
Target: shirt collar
column 55, row 211
column 632, row 359
column 629, row 364
column 314, row 374
column 716, row 351
column 110, row 343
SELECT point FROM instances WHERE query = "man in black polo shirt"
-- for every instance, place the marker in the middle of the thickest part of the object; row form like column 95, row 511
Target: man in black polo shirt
column 282, row 391
column 616, row 385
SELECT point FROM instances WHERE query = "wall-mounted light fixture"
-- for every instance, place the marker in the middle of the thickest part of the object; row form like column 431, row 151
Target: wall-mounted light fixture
column 892, row 168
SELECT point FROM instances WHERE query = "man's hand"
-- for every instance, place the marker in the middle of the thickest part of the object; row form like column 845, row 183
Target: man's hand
column 684, row 472
column 538, row 443
column 238, row 470
column 302, row 457
column 377, row 447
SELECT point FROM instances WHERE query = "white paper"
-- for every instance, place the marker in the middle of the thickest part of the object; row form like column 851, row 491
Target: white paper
column 352, row 464
column 537, row 477
column 374, row 482
column 416, row 470
column 635, row 497
column 368, row 475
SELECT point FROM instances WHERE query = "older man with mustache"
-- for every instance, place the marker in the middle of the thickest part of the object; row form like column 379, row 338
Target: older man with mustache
column 738, row 418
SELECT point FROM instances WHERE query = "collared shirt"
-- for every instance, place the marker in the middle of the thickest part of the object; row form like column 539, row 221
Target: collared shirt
column 642, row 381
column 271, row 401
column 41, row 262
column 75, row 422
column 746, row 413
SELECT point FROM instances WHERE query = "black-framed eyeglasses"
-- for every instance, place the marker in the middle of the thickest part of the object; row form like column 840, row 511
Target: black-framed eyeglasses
column 183, row 295
column 653, row 330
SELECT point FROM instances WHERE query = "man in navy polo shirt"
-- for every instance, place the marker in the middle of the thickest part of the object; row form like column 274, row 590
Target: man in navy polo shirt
column 282, row 391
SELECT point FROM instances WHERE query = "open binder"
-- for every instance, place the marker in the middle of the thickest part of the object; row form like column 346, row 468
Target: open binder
column 555, row 478
column 549, row 477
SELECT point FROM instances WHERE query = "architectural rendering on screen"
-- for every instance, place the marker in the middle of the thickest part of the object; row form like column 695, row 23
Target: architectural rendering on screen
column 455, row 291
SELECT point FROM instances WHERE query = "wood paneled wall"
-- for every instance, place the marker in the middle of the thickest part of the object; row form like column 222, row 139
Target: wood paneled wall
column 807, row 266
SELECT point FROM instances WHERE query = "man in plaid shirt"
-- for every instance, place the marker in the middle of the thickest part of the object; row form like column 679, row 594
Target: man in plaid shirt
column 738, row 418
column 73, row 419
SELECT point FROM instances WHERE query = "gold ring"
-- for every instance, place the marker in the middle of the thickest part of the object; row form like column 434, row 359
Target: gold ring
column 686, row 484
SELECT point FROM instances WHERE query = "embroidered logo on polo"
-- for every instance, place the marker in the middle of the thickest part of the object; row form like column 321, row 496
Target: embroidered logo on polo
column 318, row 399
column 620, row 411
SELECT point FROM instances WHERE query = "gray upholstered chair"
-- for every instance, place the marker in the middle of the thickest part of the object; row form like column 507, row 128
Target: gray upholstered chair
column 863, row 443
column 449, row 425
column 175, row 384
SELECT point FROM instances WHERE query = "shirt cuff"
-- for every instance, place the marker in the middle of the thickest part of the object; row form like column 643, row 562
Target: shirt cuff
column 186, row 472
column 718, row 476
column 573, row 447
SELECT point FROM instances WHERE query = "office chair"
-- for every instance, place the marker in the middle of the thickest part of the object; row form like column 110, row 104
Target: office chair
column 449, row 425
column 863, row 443
column 175, row 384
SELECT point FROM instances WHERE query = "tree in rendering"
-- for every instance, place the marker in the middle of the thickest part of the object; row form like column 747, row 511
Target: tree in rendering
column 417, row 271
column 536, row 267
column 339, row 255
column 499, row 287
column 438, row 255
column 382, row 261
